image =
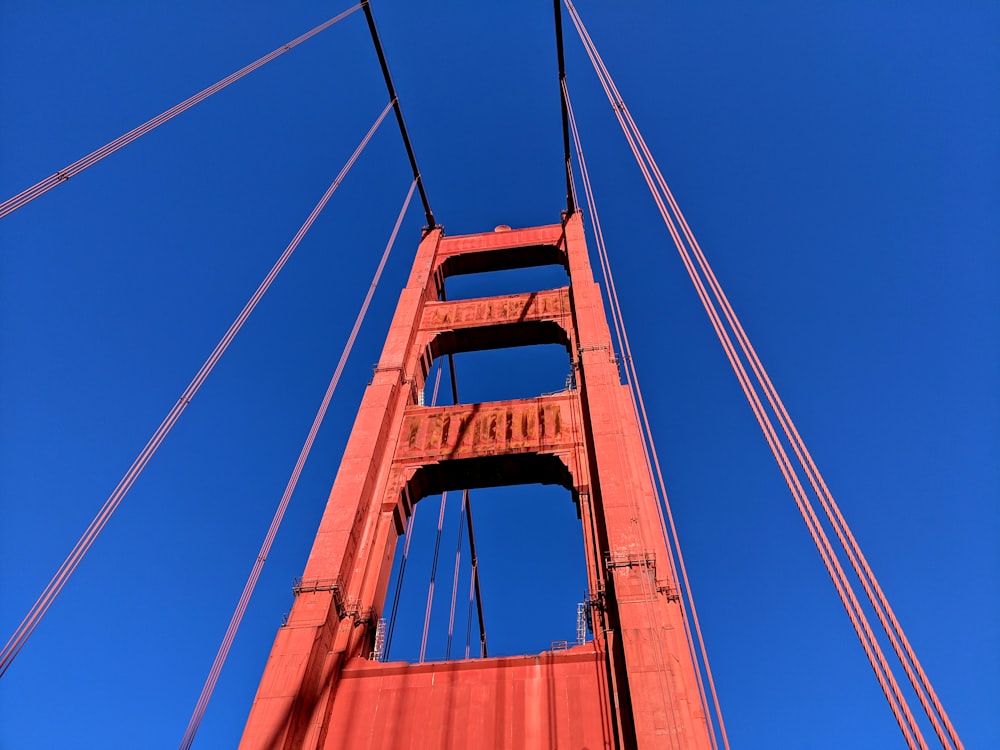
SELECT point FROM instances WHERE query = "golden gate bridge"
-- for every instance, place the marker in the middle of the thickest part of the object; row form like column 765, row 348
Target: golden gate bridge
column 618, row 106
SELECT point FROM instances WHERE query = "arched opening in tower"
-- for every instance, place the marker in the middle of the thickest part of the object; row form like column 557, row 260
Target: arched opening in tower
column 531, row 566
column 502, row 374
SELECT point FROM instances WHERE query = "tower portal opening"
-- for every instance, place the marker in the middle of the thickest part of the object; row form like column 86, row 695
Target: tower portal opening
column 503, row 374
column 531, row 568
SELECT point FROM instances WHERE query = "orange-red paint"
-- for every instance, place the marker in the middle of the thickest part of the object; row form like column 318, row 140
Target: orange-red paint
column 633, row 686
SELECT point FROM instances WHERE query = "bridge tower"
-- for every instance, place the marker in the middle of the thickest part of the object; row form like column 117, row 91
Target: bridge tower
column 635, row 684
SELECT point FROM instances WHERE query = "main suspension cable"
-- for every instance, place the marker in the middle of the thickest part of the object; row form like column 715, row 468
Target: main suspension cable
column 897, row 638
column 384, row 65
column 468, row 622
column 59, row 580
column 836, row 519
column 279, row 514
column 12, row 204
column 454, row 582
column 901, row 646
column 871, row 646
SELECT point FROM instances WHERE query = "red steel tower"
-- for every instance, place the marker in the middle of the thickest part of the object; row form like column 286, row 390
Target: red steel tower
column 635, row 684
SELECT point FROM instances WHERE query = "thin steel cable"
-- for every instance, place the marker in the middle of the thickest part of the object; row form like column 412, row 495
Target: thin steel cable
column 406, row 546
column 279, row 514
column 872, row 650
column 632, row 376
column 399, row 581
column 384, row 65
column 571, row 200
column 672, row 538
column 483, row 652
column 454, row 583
column 876, row 596
column 399, row 578
column 430, row 588
column 663, row 676
column 52, row 589
column 12, row 204
column 897, row 637
column 882, row 670
column 468, row 626
column 819, row 536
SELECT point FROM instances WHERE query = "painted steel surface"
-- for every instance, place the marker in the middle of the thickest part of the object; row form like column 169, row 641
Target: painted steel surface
column 635, row 685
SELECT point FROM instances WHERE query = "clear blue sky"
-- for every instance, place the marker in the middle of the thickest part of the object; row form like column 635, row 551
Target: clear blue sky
column 839, row 163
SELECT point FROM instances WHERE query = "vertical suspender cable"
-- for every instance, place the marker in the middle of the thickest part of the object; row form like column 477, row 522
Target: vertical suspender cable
column 376, row 41
column 870, row 644
column 390, row 628
column 468, row 622
column 406, row 546
column 566, row 122
column 454, row 582
column 561, row 60
column 12, row 204
column 901, row 646
column 38, row 610
column 474, row 561
column 248, row 589
column 483, row 652
column 633, row 383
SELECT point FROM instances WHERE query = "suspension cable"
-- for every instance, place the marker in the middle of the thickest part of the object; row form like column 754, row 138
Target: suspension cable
column 483, row 652
column 663, row 676
column 399, row 112
column 454, row 582
column 862, row 627
column 468, row 622
column 430, row 588
column 632, row 378
column 561, row 61
column 569, row 122
column 248, row 589
column 919, row 681
column 399, row 576
column 832, row 511
column 897, row 638
column 12, row 204
column 434, row 563
column 849, row 544
column 59, row 580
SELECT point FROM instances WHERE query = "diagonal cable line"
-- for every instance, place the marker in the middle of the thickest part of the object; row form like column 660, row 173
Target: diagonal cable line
column 391, row 628
column 863, row 571
column 59, row 580
column 38, row 189
column 639, row 406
